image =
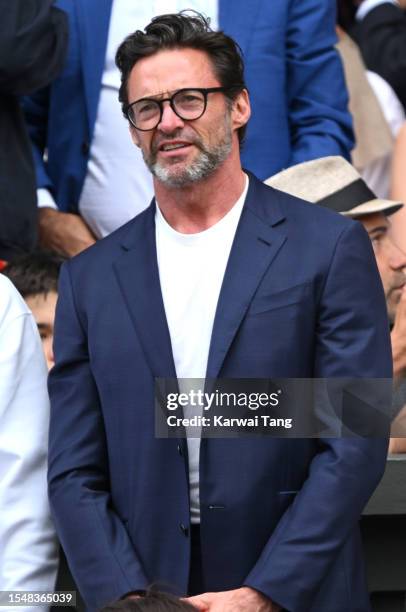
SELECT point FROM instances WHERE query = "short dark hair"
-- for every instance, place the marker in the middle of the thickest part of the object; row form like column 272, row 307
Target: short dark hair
column 35, row 272
column 152, row 601
column 187, row 29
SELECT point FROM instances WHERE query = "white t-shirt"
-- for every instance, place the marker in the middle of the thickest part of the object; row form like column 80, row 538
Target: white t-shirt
column 191, row 271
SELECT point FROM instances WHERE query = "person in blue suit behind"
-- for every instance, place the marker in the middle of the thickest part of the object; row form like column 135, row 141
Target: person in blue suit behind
column 221, row 277
column 294, row 77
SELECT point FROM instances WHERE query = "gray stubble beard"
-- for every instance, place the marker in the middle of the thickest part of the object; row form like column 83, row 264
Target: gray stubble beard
column 207, row 161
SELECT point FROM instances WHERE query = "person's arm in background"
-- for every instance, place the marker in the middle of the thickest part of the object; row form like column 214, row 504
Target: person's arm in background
column 64, row 233
column 381, row 35
column 28, row 550
column 320, row 122
column 33, row 41
column 61, row 232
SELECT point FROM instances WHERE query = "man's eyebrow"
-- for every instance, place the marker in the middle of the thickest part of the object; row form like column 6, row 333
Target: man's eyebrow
column 165, row 94
column 382, row 229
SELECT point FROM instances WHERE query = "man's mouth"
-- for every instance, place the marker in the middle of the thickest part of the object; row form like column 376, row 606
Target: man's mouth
column 173, row 146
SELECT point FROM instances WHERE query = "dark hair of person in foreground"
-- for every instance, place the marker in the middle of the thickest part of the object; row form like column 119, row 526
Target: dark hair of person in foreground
column 35, row 272
column 152, row 601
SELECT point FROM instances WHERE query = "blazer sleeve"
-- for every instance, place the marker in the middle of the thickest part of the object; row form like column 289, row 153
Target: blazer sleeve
column 352, row 341
column 36, row 110
column 319, row 119
column 28, row 547
column 33, row 42
column 103, row 560
column 381, row 36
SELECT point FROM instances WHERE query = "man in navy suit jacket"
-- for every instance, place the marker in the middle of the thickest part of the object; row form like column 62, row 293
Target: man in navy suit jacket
column 221, row 277
column 296, row 86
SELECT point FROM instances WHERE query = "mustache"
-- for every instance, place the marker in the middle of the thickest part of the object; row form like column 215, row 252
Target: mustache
column 177, row 135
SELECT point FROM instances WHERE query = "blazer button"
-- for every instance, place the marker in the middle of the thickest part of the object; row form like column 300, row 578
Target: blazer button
column 85, row 148
column 184, row 529
column 180, row 451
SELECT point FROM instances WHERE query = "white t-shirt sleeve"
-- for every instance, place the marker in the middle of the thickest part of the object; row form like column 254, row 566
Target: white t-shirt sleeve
column 28, row 547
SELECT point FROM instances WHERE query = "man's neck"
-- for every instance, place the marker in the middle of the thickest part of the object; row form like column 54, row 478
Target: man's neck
column 198, row 206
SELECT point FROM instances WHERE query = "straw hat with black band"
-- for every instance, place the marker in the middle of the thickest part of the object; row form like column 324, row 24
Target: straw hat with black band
column 334, row 183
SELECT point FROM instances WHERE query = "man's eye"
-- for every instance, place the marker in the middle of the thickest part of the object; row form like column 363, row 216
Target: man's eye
column 189, row 99
column 377, row 239
column 146, row 108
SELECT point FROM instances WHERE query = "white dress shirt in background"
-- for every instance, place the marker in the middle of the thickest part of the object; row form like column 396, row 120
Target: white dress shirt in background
column 28, row 547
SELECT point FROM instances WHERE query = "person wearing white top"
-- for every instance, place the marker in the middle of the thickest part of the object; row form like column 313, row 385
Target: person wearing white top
column 28, row 548
column 219, row 278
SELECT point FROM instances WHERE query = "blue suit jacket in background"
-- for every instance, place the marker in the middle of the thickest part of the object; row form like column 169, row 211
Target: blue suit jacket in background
column 293, row 73
column 302, row 298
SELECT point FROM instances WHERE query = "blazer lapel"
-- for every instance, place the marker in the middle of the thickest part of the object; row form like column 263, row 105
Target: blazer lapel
column 256, row 243
column 138, row 277
column 237, row 18
column 93, row 17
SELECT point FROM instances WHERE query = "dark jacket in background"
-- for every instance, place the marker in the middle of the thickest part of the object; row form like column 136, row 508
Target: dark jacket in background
column 381, row 36
column 33, row 40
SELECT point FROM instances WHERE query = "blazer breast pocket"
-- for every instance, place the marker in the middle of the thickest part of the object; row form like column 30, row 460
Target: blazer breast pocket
column 266, row 302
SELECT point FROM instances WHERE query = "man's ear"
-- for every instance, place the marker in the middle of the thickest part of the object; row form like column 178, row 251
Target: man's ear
column 241, row 111
column 134, row 135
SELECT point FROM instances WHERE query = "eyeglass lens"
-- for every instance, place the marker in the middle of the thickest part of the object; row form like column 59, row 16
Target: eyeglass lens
column 188, row 104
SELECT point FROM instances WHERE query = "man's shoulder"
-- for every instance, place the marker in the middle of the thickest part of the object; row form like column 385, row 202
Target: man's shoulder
column 104, row 251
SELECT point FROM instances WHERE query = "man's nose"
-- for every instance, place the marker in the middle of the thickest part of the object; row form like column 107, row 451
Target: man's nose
column 169, row 120
column 397, row 257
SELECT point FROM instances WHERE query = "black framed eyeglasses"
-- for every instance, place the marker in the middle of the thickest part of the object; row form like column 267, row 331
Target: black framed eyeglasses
column 188, row 104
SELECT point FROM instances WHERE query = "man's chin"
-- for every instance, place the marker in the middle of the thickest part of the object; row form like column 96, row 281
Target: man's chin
column 176, row 174
column 174, row 180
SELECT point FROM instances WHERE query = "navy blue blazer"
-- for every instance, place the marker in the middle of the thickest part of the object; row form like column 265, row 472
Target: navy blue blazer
column 301, row 297
column 293, row 73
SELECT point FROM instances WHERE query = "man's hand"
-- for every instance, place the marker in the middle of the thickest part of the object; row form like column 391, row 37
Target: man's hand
column 238, row 600
column 398, row 341
column 63, row 233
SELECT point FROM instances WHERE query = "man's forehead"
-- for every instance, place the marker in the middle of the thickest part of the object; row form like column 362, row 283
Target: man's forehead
column 374, row 221
column 170, row 70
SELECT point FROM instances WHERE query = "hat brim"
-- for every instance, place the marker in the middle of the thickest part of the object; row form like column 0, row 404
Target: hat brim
column 373, row 206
